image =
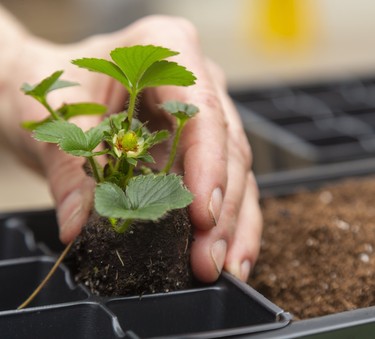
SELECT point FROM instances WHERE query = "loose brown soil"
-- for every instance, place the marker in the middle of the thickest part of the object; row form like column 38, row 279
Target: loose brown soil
column 318, row 250
column 148, row 258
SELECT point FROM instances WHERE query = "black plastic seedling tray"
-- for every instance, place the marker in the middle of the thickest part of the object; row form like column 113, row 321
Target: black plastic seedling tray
column 286, row 182
column 301, row 125
column 64, row 309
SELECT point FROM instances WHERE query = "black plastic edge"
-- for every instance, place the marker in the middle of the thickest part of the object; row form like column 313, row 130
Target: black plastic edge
column 15, row 223
column 268, row 130
column 288, row 182
column 282, row 318
column 36, row 221
column 322, row 325
column 116, row 327
column 67, row 276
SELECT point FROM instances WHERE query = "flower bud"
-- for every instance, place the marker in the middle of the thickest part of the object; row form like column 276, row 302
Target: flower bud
column 128, row 143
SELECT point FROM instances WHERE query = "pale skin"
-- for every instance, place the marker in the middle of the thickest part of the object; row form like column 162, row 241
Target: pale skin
column 214, row 154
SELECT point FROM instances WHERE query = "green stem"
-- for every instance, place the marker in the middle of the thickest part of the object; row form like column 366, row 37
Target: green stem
column 95, row 169
column 128, row 176
column 124, row 226
column 54, row 115
column 131, row 107
column 176, row 140
column 116, row 165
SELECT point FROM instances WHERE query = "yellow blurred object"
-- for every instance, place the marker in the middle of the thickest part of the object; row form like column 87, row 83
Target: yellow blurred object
column 281, row 26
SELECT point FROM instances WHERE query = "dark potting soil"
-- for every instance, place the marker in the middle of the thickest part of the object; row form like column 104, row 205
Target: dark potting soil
column 150, row 257
column 318, row 250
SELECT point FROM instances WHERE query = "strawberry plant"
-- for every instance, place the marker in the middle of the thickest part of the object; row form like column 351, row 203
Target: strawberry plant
column 127, row 190
column 121, row 195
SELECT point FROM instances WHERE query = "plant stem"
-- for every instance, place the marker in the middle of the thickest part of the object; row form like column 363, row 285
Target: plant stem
column 47, row 278
column 131, row 107
column 172, row 154
column 94, row 168
column 124, row 226
column 128, row 176
column 54, row 115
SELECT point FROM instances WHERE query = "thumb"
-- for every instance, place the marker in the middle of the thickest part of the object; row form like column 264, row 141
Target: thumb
column 71, row 188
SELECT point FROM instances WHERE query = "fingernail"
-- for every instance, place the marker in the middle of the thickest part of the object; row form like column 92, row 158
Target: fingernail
column 70, row 210
column 215, row 204
column 240, row 271
column 245, row 270
column 218, row 253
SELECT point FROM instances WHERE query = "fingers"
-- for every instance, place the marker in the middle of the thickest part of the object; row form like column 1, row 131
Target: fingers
column 234, row 248
column 215, row 248
column 203, row 150
column 245, row 245
column 234, row 242
column 71, row 188
column 205, row 156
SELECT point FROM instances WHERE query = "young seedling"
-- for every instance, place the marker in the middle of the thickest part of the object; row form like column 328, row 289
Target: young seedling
column 124, row 193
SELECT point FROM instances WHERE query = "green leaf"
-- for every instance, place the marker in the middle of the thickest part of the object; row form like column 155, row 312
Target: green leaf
column 32, row 125
column 118, row 119
column 147, row 197
column 147, row 158
column 157, row 137
column 180, row 110
column 51, row 83
column 62, row 84
column 103, row 66
column 70, row 137
column 55, row 131
column 82, row 143
column 69, row 111
column 135, row 60
column 74, row 142
column 110, row 200
column 96, row 134
column 138, row 67
column 132, row 161
column 166, row 73
column 26, row 87
column 101, row 131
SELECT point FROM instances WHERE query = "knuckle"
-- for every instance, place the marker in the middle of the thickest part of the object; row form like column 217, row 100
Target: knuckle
column 240, row 148
column 208, row 98
column 231, row 212
column 208, row 101
column 175, row 24
column 186, row 26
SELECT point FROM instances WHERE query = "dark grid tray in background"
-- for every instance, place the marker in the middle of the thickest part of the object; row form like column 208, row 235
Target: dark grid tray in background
column 296, row 126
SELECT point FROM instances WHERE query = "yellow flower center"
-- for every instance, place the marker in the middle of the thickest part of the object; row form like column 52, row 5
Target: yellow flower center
column 128, row 143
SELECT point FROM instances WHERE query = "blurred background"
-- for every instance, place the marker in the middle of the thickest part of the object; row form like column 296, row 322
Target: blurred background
column 299, row 57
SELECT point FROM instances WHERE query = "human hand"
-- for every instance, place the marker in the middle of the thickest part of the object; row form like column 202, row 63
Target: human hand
column 215, row 156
